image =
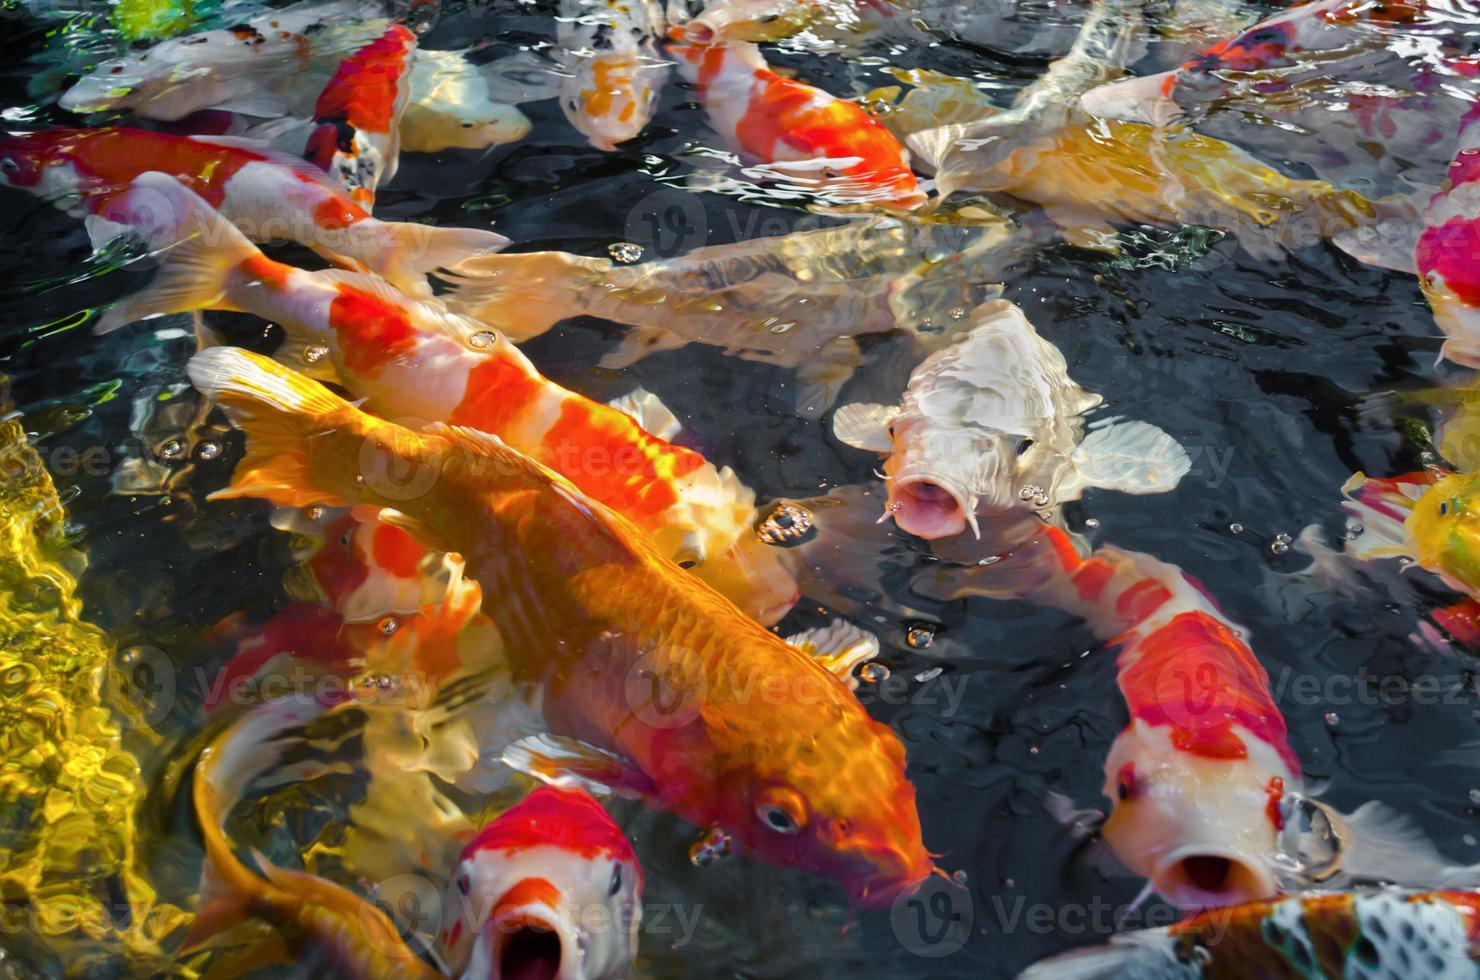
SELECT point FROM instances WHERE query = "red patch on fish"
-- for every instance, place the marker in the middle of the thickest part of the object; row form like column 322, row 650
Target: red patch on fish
column 338, row 566
column 1141, row 600
column 363, row 91
column 553, row 817
column 1196, row 677
column 1274, row 793
column 616, row 461
column 396, row 551
column 499, row 390
column 302, row 630
column 1448, row 251
column 372, row 331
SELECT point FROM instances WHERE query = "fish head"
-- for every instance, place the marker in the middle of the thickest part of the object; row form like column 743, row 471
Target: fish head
column 1201, row 829
column 117, row 84
column 26, row 158
column 367, row 568
column 942, row 476
column 1444, row 257
column 814, row 783
column 442, row 121
column 551, row 890
column 1445, row 530
column 751, row 20
column 755, row 576
column 610, row 97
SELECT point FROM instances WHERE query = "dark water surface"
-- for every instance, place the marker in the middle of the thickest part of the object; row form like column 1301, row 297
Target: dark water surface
column 1258, row 368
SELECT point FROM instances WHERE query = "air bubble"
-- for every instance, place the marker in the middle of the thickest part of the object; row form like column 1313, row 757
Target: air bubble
column 958, row 313
column 314, row 513
column 172, row 449
column 388, row 625
column 625, row 252
column 920, row 635
column 873, row 673
column 1235, row 528
column 208, row 450
column 482, row 339
column 1354, row 530
column 787, row 523
column 1332, row 719
column 959, row 876
column 1092, row 522
column 926, row 676
column 1278, row 547
column 315, row 354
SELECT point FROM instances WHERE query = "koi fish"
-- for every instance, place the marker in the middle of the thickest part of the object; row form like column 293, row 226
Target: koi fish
column 357, row 132
column 277, row 64
column 797, row 130
column 1208, row 800
column 537, row 878
column 796, row 300
column 264, row 193
column 1358, row 933
column 307, row 911
column 1444, row 256
column 759, row 21
column 412, row 359
column 1321, row 83
column 992, row 425
column 614, row 69
column 592, row 615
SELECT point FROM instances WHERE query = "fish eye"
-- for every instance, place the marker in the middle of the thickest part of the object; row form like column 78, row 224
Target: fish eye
column 1443, row 508
column 829, row 173
column 464, row 884
column 346, row 538
column 770, row 18
column 686, row 559
column 9, row 165
column 1024, row 445
column 1123, row 790
column 776, row 818
column 467, row 125
column 616, row 885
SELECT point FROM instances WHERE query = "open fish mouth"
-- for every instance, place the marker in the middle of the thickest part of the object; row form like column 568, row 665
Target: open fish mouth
column 528, row 946
column 929, row 507
column 1198, row 877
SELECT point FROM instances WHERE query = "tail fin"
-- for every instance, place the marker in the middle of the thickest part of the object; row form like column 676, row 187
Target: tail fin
column 403, row 252
column 279, row 410
column 1149, row 953
column 197, row 246
column 526, row 294
column 1381, row 507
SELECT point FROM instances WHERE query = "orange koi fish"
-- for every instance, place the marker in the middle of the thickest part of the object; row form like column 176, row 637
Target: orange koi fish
column 557, row 890
column 595, row 619
column 357, row 133
column 414, row 360
column 266, row 194
column 797, row 129
column 1370, row 932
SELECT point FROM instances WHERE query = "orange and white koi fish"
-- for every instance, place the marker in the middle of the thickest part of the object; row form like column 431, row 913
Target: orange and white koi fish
column 550, row 889
column 992, row 425
column 266, row 194
column 796, row 129
column 593, row 617
column 357, row 119
column 308, row 912
column 413, row 359
column 615, row 73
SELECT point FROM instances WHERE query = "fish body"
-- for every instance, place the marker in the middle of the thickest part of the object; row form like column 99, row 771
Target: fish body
column 266, row 194
column 309, row 912
column 416, row 361
column 1370, row 932
column 796, row 129
column 453, row 107
column 357, row 119
column 1444, row 256
column 1322, row 83
column 615, row 73
column 595, row 618
column 992, row 425
column 551, row 888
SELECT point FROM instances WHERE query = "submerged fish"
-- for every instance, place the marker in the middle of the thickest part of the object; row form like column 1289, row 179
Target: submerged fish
column 797, row 130
column 414, row 360
column 551, row 888
column 796, row 300
column 266, row 194
column 1445, row 254
column 610, row 51
column 599, row 621
column 992, row 425
column 1367, row 933
column 357, row 119
column 759, row 21
column 453, row 106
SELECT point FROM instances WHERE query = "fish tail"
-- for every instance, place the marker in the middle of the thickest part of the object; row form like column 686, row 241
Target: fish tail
column 526, row 294
column 281, row 412
column 197, row 247
column 1146, row 953
column 1381, row 507
column 404, row 252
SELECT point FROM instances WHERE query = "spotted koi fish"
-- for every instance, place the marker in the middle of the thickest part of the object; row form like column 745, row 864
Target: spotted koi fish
column 550, row 889
column 615, row 72
column 266, row 194
column 796, row 129
column 412, row 359
column 584, row 601
column 357, row 132
column 1372, row 932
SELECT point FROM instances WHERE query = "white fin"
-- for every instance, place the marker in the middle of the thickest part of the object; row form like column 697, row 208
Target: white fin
column 1389, row 239
column 197, row 246
column 1132, row 457
column 1383, row 844
column 409, row 250
column 639, row 342
column 262, row 102
column 865, row 426
column 1147, row 953
column 285, row 134
column 839, row 646
column 572, row 764
column 1382, row 512
column 521, row 77
column 650, row 413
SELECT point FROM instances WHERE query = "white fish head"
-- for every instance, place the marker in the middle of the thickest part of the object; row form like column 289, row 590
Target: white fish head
column 752, row 20
column 121, row 83
column 610, row 96
column 941, row 476
column 450, row 108
column 1201, row 829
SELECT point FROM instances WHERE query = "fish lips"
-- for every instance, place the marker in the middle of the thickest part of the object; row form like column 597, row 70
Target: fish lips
column 930, row 506
column 1205, row 875
column 529, row 942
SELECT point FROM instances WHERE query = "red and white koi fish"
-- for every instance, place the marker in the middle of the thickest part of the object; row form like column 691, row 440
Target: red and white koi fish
column 1368, row 932
column 550, row 890
column 583, row 601
column 1445, row 255
column 413, row 359
column 796, row 129
column 308, row 912
column 615, row 73
column 266, row 194
column 357, row 131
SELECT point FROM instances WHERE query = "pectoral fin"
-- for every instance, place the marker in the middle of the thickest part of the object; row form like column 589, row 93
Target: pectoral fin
column 1132, row 457
column 570, row 763
column 649, row 412
column 839, row 646
column 865, row 426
